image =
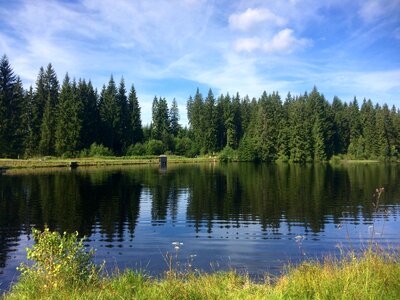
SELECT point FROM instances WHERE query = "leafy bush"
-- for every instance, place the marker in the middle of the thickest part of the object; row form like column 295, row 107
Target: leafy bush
column 183, row 146
column 228, row 154
column 59, row 260
column 136, row 150
column 154, row 147
column 96, row 150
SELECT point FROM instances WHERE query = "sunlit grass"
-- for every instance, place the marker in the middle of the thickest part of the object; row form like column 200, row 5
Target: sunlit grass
column 373, row 275
column 47, row 162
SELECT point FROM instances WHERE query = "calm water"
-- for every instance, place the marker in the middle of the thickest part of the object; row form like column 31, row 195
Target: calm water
column 240, row 216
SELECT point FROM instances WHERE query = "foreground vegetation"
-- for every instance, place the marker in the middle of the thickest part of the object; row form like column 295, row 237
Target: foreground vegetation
column 64, row 270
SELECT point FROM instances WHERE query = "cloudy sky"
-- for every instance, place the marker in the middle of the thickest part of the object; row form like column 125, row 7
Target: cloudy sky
column 169, row 48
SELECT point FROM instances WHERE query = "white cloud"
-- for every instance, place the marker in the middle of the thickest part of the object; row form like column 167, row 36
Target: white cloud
column 282, row 42
column 285, row 41
column 248, row 44
column 251, row 17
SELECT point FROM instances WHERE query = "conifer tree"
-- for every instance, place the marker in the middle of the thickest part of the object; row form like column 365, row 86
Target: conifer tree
column 16, row 142
column 46, row 145
column 211, row 126
column 110, row 115
column 27, row 124
column 7, row 89
column 68, row 122
column 50, row 91
column 135, row 117
column 124, row 130
column 90, row 114
column 174, row 118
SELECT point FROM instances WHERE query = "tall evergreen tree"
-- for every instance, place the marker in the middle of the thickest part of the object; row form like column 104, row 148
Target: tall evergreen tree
column 211, row 125
column 174, row 118
column 16, row 141
column 46, row 145
column 68, row 122
column 110, row 115
column 7, row 88
column 135, row 117
column 90, row 114
column 195, row 109
column 27, row 124
column 124, row 130
column 50, row 91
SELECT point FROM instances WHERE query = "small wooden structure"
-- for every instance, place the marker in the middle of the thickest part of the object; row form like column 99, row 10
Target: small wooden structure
column 73, row 164
column 163, row 161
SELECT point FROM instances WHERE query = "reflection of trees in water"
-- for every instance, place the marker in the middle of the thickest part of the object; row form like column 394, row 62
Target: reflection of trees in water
column 235, row 194
column 298, row 195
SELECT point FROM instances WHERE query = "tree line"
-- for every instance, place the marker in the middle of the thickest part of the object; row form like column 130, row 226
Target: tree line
column 74, row 119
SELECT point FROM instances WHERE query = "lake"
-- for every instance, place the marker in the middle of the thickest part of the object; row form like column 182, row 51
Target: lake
column 253, row 218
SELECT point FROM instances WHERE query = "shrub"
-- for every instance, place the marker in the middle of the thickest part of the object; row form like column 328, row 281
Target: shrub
column 183, row 146
column 228, row 154
column 136, row 150
column 59, row 260
column 99, row 150
column 154, row 147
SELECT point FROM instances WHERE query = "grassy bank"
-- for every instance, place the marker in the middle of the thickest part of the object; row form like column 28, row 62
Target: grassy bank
column 371, row 276
column 95, row 161
column 63, row 270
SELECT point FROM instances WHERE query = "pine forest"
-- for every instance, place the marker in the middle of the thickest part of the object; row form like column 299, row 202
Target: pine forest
column 71, row 118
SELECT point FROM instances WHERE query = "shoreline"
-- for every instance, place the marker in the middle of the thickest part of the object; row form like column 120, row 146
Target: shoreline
column 7, row 164
column 53, row 162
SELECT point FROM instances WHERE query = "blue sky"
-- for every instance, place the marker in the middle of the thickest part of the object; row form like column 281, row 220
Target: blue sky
column 169, row 48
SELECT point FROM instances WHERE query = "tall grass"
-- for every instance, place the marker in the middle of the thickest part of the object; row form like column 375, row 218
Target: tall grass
column 62, row 269
column 375, row 274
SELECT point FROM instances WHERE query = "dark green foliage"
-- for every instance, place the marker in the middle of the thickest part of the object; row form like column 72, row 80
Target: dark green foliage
column 135, row 117
column 210, row 139
column 89, row 114
column 110, row 116
column 48, row 121
column 46, row 145
column 29, row 142
column 154, row 147
column 48, row 90
column 124, row 128
column 174, row 118
column 136, row 150
column 8, row 107
column 68, row 122
column 183, row 146
column 98, row 150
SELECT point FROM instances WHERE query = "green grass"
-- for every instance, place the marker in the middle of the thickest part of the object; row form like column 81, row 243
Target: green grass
column 51, row 162
column 374, row 275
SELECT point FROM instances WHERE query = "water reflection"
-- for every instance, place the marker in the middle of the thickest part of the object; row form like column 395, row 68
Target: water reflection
column 244, row 213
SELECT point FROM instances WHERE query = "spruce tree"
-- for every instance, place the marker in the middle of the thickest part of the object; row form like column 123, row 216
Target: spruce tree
column 90, row 114
column 110, row 115
column 46, row 144
column 38, row 106
column 135, row 117
column 50, row 90
column 123, row 128
column 27, row 124
column 17, row 133
column 174, row 118
column 8, row 82
column 68, row 122
column 211, row 125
